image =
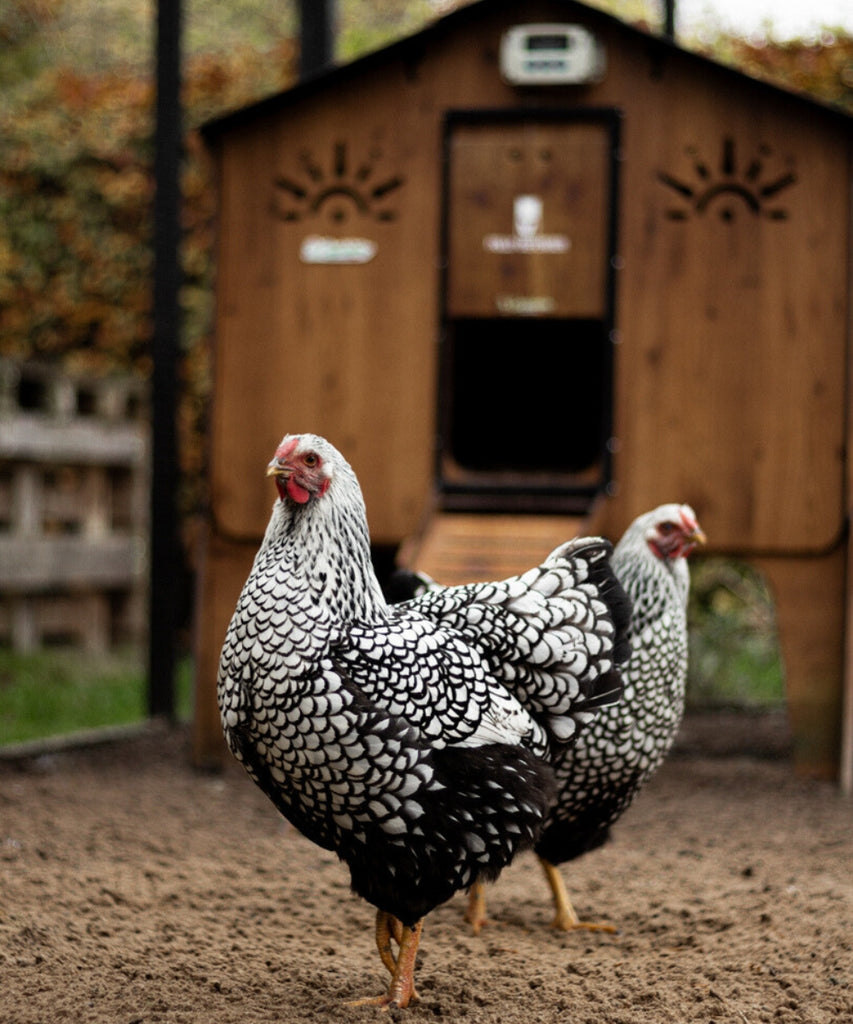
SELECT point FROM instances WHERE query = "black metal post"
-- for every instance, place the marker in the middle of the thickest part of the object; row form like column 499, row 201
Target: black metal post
column 669, row 19
column 316, row 35
column 164, row 549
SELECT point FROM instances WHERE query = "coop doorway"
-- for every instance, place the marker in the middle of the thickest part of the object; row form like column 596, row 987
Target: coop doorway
column 529, row 233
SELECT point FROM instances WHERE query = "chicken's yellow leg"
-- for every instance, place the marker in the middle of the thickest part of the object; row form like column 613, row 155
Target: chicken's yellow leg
column 396, row 926
column 383, row 940
column 475, row 915
column 565, row 918
column 402, row 991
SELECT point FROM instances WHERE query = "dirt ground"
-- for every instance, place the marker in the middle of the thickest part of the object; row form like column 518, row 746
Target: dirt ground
column 134, row 889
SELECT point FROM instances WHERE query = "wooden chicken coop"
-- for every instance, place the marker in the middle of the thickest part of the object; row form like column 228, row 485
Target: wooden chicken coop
column 534, row 270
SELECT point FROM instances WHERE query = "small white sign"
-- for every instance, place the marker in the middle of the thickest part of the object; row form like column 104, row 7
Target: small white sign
column 502, row 244
column 322, row 249
column 526, row 222
column 525, row 305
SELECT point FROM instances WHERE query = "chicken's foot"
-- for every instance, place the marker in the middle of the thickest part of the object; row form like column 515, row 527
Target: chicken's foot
column 565, row 917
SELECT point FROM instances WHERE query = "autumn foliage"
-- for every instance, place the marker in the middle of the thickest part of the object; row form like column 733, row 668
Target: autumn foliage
column 75, row 194
column 821, row 69
column 76, row 188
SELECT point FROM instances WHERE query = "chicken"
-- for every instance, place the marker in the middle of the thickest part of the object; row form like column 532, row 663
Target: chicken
column 599, row 776
column 393, row 739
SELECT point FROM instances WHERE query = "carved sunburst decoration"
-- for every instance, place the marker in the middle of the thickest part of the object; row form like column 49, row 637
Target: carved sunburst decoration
column 730, row 187
column 337, row 191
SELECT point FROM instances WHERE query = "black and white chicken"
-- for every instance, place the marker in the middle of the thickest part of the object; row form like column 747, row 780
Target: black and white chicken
column 600, row 775
column 393, row 739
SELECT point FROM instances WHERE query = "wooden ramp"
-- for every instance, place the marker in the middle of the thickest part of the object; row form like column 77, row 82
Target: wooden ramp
column 463, row 547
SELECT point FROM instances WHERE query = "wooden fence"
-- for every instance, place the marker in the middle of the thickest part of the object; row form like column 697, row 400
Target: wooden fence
column 73, row 509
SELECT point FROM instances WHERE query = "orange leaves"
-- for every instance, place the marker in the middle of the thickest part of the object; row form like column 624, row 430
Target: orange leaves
column 821, row 69
column 76, row 189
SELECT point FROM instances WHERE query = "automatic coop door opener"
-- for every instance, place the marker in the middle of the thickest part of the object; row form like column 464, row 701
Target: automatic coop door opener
column 551, row 55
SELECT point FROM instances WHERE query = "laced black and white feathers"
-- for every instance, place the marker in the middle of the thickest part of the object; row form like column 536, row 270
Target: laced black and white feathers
column 391, row 737
column 600, row 775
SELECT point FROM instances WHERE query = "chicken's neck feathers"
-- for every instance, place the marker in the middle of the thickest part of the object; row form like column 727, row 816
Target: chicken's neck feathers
column 653, row 584
column 658, row 590
column 316, row 558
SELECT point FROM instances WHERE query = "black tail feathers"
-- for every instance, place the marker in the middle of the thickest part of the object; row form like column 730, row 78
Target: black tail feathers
column 619, row 604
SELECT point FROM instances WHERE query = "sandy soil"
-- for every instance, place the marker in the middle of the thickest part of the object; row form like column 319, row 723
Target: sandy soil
column 133, row 889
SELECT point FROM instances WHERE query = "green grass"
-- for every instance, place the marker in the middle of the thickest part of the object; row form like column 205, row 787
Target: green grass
column 734, row 648
column 51, row 693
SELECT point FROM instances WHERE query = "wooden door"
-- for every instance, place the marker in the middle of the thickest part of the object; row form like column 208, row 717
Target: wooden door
column 529, row 224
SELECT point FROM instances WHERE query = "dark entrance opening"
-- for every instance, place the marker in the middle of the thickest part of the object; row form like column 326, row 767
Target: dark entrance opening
column 527, row 395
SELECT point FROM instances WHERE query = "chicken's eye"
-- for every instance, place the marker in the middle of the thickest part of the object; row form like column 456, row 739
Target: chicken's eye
column 667, row 528
column 311, row 459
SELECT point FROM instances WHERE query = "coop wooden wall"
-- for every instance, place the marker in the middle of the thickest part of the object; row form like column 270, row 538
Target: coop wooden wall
column 347, row 351
column 732, row 297
column 339, row 350
column 733, row 306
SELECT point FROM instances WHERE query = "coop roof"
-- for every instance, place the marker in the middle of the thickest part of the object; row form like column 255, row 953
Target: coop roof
column 409, row 48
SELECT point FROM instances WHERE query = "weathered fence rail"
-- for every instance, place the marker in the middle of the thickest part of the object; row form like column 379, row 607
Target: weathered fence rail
column 73, row 508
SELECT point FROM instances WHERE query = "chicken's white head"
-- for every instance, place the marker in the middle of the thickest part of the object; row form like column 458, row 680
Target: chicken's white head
column 672, row 531
column 303, row 466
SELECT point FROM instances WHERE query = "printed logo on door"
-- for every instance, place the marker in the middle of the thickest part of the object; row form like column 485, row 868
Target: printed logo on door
column 527, row 217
